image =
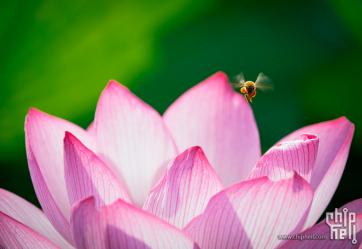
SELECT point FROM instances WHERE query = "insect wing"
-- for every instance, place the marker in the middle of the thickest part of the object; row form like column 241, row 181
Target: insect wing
column 264, row 83
column 238, row 80
column 238, row 85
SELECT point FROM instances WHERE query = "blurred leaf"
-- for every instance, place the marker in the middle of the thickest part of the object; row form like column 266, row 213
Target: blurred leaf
column 58, row 56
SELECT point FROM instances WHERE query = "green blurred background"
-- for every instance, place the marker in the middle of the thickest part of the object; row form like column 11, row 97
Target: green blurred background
column 58, row 56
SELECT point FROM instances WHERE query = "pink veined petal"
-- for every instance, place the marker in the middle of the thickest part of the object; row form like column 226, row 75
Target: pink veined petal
column 45, row 198
column 121, row 225
column 216, row 118
column 132, row 141
column 86, row 175
column 190, row 227
column 332, row 137
column 29, row 215
column 14, row 234
column 252, row 213
column 323, row 229
column 280, row 161
column 45, row 135
column 325, row 191
column 185, row 188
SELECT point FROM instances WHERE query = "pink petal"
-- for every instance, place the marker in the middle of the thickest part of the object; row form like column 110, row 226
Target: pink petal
column 14, row 234
column 332, row 135
column 190, row 227
column 86, row 175
column 45, row 198
column 322, row 229
column 252, row 213
column 91, row 130
column 29, row 215
column 325, row 191
column 132, row 140
column 185, row 188
column 45, row 134
column 121, row 225
column 280, row 161
column 216, row 118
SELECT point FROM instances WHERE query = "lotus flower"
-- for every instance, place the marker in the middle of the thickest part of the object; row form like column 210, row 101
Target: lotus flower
column 123, row 184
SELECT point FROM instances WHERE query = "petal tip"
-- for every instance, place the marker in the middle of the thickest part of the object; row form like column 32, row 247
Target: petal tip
column 90, row 200
column 343, row 119
column 219, row 77
column 36, row 113
column 195, row 152
column 113, row 89
column 195, row 148
column 113, row 84
column 346, row 121
column 31, row 116
column 33, row 112
column 69, row 137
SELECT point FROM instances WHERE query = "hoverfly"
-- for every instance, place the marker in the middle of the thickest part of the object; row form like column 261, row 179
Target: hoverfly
column 248, row 88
